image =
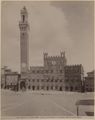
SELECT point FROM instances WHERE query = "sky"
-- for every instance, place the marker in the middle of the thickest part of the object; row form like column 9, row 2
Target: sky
column 54, row 27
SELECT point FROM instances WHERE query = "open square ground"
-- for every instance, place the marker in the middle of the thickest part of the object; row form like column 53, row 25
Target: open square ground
column 43, row 103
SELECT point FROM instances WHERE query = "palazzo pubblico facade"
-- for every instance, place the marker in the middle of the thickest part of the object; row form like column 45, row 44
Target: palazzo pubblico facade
column 50, row 76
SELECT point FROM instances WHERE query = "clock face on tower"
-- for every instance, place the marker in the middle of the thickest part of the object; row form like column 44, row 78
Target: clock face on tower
column 23, row 65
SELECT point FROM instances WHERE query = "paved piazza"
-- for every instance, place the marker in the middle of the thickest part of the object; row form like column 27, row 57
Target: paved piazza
column 43, row 103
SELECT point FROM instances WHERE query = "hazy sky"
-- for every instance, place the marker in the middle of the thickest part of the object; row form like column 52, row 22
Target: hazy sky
column 54, row 27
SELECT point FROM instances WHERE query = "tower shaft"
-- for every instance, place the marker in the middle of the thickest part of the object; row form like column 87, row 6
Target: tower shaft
column 24, row 41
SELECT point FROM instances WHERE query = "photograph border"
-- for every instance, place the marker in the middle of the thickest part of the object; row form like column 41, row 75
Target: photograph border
column 45, row 117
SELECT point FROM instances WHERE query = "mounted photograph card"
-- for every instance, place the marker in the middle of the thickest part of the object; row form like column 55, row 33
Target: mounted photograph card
column 47, row 59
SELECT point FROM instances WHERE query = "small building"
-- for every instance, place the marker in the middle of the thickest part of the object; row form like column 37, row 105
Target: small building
column 12, row 81
column 89, row 82
column 9, row 79
column 4, row 70
column 74, row 77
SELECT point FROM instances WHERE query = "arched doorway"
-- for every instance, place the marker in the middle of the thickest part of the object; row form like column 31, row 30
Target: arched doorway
column 47, row 88
column 33, row 87
column 66, row 88
column 29, row 87
column 22, row 85
column 60, row 88
column 71, row 88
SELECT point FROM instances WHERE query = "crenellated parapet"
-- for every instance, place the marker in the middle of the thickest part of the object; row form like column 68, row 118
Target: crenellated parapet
column 74, row 66
column 55, row 61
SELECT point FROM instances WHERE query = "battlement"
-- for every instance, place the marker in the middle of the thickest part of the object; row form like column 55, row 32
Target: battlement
column 76, row 65
column 62, row 54
column 57, row 61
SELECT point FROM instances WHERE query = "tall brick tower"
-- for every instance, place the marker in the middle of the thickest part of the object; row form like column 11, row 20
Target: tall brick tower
column 24, row 43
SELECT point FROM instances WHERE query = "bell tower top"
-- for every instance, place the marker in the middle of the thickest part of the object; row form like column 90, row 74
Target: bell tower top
column 24, row 14
column 23, row 24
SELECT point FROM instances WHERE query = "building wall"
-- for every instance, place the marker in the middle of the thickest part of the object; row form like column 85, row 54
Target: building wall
column 73, row 77
column 50, row 76
column 56, row 75
column 89, row 82
column 4, row 71
column 46, row 81
column 12, row 80
column 2, row 81
column 9, row 79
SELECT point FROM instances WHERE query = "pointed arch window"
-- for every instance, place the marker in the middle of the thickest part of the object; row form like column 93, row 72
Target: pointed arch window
column 23, row 18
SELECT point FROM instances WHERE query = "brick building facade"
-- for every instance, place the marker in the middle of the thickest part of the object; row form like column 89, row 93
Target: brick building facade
column 74, row 77
column 50, row 76
column 89, row 82
column 9, row 79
